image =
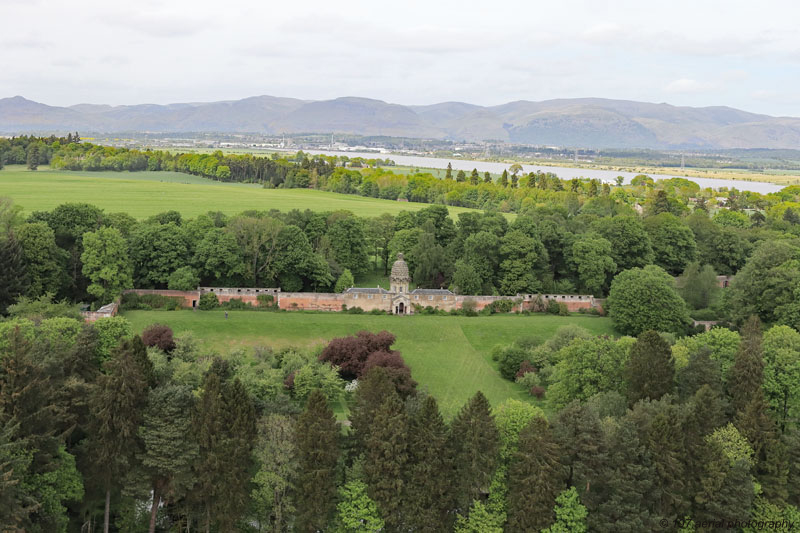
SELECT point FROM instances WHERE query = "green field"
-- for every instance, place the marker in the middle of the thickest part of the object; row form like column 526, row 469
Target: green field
column 142, row 194
column 448, row 355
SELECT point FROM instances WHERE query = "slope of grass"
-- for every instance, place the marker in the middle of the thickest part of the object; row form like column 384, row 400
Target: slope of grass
column 142, row 194
column 448, row 355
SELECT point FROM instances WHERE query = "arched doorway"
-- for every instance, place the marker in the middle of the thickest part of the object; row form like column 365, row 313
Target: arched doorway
column 401, row 309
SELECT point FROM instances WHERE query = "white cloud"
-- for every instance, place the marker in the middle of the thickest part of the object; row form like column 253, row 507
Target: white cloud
column 689, row 86
column 687, row 52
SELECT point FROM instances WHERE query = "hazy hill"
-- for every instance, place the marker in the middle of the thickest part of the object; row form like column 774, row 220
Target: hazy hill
column 581, row 122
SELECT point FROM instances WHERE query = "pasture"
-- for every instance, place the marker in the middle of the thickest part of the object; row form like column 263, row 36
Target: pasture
column 142, row 194
column 448, row 355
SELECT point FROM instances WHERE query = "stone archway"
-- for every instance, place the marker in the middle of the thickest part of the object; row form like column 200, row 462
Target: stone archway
column 401, row 308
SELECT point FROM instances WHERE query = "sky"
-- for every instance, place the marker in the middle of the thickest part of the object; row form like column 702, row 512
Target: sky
column 695, row 53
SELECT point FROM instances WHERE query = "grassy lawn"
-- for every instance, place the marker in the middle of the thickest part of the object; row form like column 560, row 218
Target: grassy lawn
column 448, row 355
column 142, row 194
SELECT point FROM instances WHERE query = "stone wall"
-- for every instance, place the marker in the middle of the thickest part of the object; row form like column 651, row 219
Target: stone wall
column 188, row 298
column 316, row 301
column 246, row 294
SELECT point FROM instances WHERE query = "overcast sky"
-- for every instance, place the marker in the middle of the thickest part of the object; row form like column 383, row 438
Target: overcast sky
column 696, row 52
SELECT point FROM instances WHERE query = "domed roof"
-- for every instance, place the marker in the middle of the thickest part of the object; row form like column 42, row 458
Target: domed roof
column 400, row 270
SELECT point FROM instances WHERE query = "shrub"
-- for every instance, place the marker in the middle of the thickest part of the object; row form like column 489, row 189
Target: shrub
column 265, row 300
column 236, row 304
column 110, row 331
column 355, row 311
column 501, row 306
column 159, row 335
column 510, row 359
column 208, row 301
column 377, row 312
column 131, row 301
column 350, row 353
column 396, row 368
column 344, row 282
column 468, row 308
column 530, row 380
column 525, row 368
column 538, row 392
column 553, row 308
column 563, row 310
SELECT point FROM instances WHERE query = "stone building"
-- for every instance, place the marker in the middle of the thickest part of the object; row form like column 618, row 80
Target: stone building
column 398, row 300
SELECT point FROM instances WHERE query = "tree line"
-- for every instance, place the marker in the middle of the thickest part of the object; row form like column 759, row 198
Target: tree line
column 105, row 429
column 513, row 191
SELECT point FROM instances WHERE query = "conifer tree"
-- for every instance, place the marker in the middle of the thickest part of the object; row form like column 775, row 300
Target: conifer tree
column 475, row 444
column 701, row 370
column 577, row 431
column 448, row 175
column 792, row 443
column 746, row 376
column 386, row 460
column 461, row 176
column 627, row 484
column 13, row 275
column 535, row 479
column 474, row 178
column 356, row 512
column 726, row 486
column 373, row 387
column 224, row 425
column 169, row 449
column 16, row 504
column 429, row 468
column 487, row 178
column 33, row 156
column 570, row 514
column 240, row 433
column 503, row 181
column 665, row 433
column 651, row 369
column 317, row 454
column 118, row 406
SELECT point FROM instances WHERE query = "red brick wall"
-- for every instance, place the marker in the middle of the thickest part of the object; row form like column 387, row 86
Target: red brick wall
column 186, row 296
column 313, row 301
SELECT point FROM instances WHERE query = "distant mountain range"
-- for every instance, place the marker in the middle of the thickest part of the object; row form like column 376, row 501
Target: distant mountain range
column 580, row 122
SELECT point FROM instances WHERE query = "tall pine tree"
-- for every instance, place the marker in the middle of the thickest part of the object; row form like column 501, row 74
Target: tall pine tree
column 536, row 478
column 118, row 406
column 374, row 386
column 475, row 443
column 746, row 376
column 429, row 468
column 651, row 369
column 386, row 460
column 224, row 425
column 13, row 275
column 169, row 446
column 317, row 454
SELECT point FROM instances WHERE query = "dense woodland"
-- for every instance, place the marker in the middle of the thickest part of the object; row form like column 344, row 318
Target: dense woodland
column 99, row 425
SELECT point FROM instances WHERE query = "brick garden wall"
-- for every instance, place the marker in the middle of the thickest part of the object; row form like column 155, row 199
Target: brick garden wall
column 316, row 301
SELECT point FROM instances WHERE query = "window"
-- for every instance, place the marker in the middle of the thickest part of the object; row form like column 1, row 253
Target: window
column 416, row 297
column 444, row 297
column 430, row 297
column 355, row 297
column 369, row 297
column 384, row 297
